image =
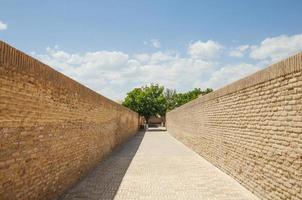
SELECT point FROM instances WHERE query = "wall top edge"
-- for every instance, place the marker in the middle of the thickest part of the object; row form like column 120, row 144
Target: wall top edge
column 287, row 66
column 26, row 63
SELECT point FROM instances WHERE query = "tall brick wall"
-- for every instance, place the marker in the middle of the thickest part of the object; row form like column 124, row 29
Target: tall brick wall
column 52, row 129
column 251, row 129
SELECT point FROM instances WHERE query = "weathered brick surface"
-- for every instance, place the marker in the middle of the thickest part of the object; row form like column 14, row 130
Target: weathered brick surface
column 251, row 129
column 52, row 129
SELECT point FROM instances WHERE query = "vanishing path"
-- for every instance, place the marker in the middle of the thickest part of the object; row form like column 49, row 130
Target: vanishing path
column 154, row 165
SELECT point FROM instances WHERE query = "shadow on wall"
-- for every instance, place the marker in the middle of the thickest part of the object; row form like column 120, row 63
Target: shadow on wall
column 104, row 181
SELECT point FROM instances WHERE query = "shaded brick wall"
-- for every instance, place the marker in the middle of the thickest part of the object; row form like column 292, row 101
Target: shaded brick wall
column 52, row 129
column 251, row 129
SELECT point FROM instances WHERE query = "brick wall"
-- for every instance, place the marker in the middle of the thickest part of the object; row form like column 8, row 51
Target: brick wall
column 251, row 129
column 52, row 129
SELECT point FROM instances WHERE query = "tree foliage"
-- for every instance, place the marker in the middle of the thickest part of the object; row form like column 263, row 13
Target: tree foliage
column 154, row 100
column 147, row 101
column 175, row 99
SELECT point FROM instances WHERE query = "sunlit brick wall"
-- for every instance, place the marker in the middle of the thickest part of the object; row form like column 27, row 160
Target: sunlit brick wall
column 52, row 129
column 251, row 129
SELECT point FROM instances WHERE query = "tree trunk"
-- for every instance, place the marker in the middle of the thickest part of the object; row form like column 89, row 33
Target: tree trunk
column 147, row 122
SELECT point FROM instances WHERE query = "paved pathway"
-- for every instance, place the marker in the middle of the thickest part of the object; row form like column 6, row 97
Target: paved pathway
column 154, row 165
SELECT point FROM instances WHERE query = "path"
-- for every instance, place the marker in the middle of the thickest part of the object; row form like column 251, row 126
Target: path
column 154, row 165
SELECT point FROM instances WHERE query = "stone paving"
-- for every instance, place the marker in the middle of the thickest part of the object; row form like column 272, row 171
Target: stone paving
column 154, row 165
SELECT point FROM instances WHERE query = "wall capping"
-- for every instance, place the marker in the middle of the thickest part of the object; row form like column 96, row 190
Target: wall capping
column 287, row 66
column 47, row 75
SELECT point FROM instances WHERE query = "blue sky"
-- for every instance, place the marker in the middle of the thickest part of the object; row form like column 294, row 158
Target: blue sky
column 113, row 46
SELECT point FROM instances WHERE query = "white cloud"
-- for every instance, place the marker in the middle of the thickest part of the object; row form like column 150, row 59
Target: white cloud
column 155, row 43
column 229, row 73
column 239, row 51
column 114, row 73
column 3, row 26
column 204, row 50
column 277, row 48
column 143, row 57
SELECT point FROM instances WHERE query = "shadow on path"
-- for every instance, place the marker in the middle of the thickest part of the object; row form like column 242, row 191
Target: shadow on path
column 104, row 181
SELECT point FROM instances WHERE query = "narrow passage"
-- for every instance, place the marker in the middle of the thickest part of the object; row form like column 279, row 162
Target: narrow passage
column 154, row 165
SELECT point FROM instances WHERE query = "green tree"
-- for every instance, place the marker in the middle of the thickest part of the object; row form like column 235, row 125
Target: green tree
column 175, row 99
column 170, row 96
column 206, row 91
column 153, row 100
column 147, row 101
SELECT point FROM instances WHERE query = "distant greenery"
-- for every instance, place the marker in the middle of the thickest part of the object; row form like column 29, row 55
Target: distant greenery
column 147, row 101
column 154, row 100
column 174, row 99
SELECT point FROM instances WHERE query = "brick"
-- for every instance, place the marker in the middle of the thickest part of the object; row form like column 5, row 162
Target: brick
column 261, row 131
column 53, row 129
